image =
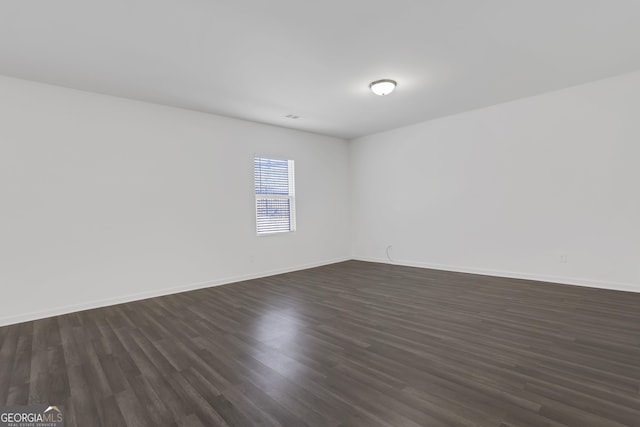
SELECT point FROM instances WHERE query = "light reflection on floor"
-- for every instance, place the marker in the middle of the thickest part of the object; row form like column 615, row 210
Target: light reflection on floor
column 279, row 329
column 278, row 325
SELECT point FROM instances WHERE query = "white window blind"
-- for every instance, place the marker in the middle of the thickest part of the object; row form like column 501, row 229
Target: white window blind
column 275, row 203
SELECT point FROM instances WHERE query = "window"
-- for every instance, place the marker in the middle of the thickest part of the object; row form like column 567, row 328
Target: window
column 275, row 203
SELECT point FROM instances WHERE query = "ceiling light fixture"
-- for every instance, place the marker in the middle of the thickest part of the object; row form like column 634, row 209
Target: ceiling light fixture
column 383, row 87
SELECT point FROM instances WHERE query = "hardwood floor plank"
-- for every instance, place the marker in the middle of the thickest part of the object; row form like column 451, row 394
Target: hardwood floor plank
column 10, row 336
column 197, row 403
column 349, row 344
column 134, row 413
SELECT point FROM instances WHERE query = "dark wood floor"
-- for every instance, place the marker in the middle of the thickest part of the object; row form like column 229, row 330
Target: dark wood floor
column 351, row 344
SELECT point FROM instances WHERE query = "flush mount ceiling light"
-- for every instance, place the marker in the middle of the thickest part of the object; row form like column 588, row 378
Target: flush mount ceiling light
column 383, row 87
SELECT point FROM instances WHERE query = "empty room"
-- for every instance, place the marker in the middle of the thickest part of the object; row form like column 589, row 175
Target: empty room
column 338, row 213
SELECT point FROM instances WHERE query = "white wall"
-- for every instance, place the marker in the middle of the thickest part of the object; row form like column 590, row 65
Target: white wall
column 106, row 200
column 509, row 189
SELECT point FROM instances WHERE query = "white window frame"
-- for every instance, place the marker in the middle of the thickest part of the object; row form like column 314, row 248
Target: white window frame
column 291, row 197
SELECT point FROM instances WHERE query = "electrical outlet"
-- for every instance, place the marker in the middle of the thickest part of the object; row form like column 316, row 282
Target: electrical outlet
column 564, row 258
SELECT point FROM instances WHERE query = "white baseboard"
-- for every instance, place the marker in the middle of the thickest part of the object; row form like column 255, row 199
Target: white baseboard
column 56, row 311
column 615, row 286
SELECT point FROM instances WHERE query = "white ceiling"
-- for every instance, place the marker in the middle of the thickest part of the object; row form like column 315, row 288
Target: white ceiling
column 264, row 59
